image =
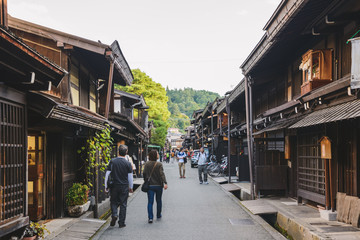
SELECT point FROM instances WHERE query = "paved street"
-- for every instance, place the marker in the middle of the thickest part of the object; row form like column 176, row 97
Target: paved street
column 190, row 211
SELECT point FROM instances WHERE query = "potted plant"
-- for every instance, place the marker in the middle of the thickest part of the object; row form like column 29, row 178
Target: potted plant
column 35, row 231
column 77, row 199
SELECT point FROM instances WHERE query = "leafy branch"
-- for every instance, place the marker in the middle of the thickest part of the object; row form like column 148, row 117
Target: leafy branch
column 98, row 151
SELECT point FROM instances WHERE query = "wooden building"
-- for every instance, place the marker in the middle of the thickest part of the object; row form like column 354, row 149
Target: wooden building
column 303, row 89
column 23, row 70
column 130, row 117
column 60, row 116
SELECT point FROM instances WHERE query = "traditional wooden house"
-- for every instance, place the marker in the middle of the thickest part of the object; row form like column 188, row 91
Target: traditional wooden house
column 22, row 70
column 130, row 117
column 234, row 103
column 303, row 91
column 196, row 121
column 65, row 115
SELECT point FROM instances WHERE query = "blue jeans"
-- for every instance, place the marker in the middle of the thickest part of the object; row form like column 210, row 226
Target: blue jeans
column 154, row 190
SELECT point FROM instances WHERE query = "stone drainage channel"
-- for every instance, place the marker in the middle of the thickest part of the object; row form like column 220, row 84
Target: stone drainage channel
column 270, row 218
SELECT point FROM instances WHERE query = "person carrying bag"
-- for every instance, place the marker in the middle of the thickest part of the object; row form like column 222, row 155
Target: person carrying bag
column 156, row 181
column 146, row 185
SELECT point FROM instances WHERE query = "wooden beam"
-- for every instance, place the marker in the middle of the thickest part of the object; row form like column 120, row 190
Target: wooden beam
column 108, row 96
column 3, row 13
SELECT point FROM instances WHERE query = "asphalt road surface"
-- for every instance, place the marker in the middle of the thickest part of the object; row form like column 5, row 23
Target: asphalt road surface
column 190, row 211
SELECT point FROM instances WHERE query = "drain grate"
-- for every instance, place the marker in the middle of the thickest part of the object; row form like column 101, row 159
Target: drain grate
column 339, row 229
column 241, row 221
column 318, row 224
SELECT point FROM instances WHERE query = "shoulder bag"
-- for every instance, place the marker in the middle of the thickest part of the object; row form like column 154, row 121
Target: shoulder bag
column 146, row 185
column 110, row 181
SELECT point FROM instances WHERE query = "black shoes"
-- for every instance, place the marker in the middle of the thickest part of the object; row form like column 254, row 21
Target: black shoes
column 122, row 225
column 113, row 221
column 150, row 221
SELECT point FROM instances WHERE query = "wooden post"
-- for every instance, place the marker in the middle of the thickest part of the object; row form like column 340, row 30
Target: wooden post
column 332, row 204
column 248, row 107
column 3, row 13
column 327, row 193
column 108, row 96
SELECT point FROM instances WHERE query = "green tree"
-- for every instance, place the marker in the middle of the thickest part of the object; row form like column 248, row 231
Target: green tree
column 183, row 102
column 156, row 98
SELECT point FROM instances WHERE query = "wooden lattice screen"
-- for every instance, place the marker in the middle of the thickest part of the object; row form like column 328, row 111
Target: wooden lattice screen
column 311, row 167
column 12, row 161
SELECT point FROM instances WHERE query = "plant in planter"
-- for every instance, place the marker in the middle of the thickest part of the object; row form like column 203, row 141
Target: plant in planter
column 77, row 199
column 35, row 231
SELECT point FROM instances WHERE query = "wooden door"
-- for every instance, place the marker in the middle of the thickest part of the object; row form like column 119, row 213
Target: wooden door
column 36, row 176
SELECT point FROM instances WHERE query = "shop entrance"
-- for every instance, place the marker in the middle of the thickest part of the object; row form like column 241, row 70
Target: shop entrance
column 36, row 176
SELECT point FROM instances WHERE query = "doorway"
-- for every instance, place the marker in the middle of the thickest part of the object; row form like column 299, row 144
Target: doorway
column 36, row 176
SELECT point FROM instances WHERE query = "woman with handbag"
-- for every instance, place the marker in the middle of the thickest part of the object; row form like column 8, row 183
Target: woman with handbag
column 155, row 176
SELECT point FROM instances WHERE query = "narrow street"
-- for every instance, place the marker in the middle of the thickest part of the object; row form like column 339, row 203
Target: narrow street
column 190, row 211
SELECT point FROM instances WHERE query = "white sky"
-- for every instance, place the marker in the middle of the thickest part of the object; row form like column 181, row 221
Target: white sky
column 179, row 43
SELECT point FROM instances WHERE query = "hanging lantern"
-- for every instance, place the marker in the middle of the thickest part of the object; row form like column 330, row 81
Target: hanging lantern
column 325, row 144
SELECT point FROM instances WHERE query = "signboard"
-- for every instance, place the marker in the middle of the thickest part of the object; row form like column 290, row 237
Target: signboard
column 355, row 63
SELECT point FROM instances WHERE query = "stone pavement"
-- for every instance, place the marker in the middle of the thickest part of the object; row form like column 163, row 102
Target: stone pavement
column 190, row 211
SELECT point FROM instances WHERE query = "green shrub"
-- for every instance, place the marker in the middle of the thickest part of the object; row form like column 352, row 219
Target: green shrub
column 77, row 194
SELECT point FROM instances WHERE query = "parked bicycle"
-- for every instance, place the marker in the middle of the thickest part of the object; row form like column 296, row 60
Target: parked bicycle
column 219, row 169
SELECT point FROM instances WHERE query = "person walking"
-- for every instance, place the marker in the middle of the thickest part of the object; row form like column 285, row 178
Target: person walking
column 173, row 156
column 155, row 171
column 121, row 174
column 181, row 157
column 167, row 157
column 202, row 168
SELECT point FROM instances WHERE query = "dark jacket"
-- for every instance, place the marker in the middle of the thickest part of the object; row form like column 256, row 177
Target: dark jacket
column 158, row 176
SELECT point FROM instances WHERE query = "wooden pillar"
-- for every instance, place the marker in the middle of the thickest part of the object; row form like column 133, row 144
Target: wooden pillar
column 3, row 13
column 327, row 187
column 109, row 90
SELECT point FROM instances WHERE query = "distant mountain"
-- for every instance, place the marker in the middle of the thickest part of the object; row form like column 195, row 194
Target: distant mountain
column 183, row 102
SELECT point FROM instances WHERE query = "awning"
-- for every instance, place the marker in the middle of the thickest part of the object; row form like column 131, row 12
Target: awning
column 339, row 112
column 284, row 123
column 48, row 107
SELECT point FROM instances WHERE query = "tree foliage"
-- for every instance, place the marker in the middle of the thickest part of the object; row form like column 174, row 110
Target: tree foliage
column 156, row 98
column 183, row 102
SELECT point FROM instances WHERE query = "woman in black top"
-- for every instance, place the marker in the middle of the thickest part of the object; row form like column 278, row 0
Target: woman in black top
column 157, row 183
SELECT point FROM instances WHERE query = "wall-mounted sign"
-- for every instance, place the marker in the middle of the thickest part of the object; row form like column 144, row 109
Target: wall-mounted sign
column 325, row 144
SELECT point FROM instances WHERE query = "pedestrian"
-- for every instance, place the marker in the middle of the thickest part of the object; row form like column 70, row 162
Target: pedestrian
column 122, row 183
column 155, row 171
column 181, row 158
column 167, row 157
column 172, row 156
column 202, row 168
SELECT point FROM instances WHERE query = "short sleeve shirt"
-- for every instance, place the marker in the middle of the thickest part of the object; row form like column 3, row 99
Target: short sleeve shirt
column 181, row 156
column 120, row 168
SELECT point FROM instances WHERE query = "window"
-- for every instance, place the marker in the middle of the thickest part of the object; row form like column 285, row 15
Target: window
column 75, row 84
column 117, row 105
column 311, row 172
column 92, row 97
column 12, row 160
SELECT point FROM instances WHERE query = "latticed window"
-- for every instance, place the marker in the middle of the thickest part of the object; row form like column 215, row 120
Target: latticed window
column 311, row 166
column 12, row 161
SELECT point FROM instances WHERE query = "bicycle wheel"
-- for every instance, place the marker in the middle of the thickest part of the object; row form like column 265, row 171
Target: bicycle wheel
column 215, row 172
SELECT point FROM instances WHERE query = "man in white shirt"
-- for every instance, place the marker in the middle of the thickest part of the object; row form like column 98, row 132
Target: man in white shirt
column 181, row 156
column 202, row 168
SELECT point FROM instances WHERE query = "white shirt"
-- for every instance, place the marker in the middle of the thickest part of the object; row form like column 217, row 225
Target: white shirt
column 202, row 159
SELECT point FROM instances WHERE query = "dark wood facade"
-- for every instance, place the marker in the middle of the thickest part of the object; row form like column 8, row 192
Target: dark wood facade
column 22, row 69
column 284, row 93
